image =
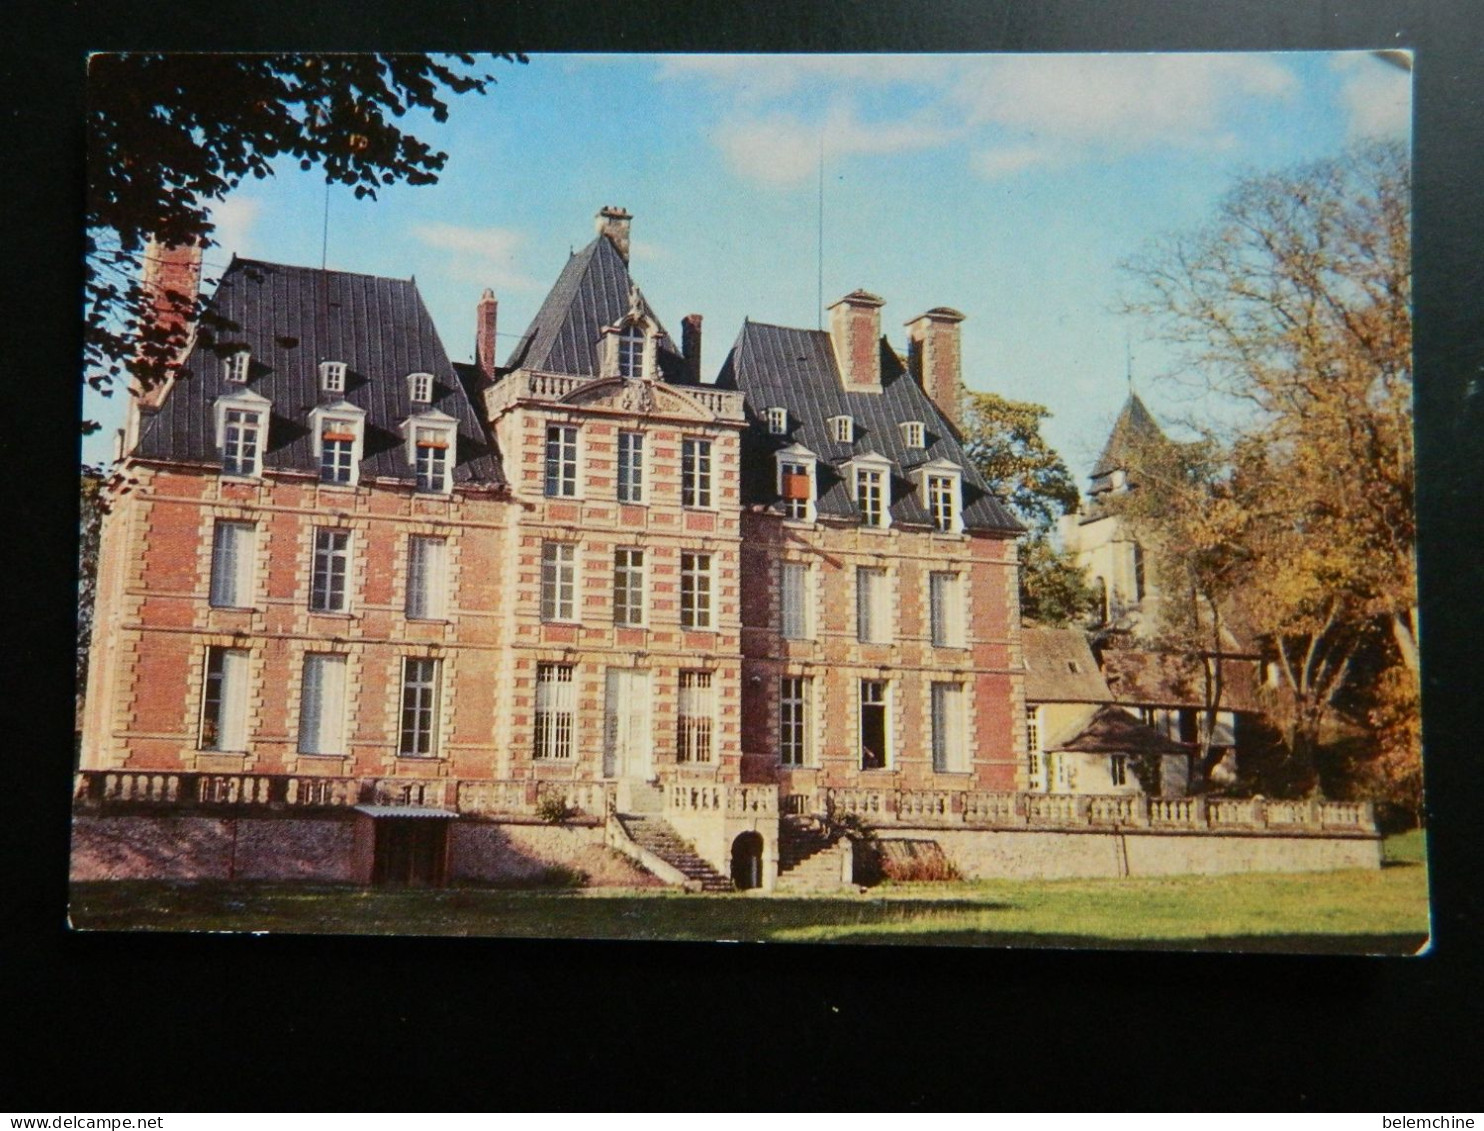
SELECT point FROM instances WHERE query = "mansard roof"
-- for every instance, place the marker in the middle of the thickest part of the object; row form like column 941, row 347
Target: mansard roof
column 778, row 366
column 292, row 318
column 591, row 293
column 1134, row 426
column 1060, row 668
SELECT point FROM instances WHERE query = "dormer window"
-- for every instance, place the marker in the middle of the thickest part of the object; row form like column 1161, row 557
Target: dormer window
column 235, row 366
column 241, row 432
column 777, row 421
column 332, row 376
column 631, row 351
column 842, row 429
column 941, row 487
column 870, row 475
column 338, row 431
column 420, row 388
column 431, row 437
column 796, row 482
column 913, row 434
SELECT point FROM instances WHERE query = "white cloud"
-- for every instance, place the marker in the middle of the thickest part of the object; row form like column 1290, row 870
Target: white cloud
column 480, row 255
column 1006, row 161
column 782, row 149
column 1376, row 94
column 234, row 219
column 754, row 78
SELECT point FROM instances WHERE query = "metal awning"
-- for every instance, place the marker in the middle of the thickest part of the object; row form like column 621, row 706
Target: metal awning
column 377, row 811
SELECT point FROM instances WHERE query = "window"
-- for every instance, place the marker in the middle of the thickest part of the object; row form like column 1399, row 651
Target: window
column 236, row 365
column 631, row 467
column 796, row 487
column 948, row 728
column 556, row 714
column 777, row 421
column 322, row 705
column 561, row 461
column 695, row 590
column 1035, row 760
column 942, row 491
column 1139, row 583
column 419, row 708
column 872, row 606
column 794, row 720
column 697, row 715
column 242, row 442
column 631, row 352
column 328, row 591
column 874, row 750
column 430, row 459
column 870, row 495
column 1118, row 769
column 842, row 429
column 337, row 431
column 332, row 376
column 796, row 602
column 558, row 580
column 945, row 598
column 420, row 388
column 232, row 547
column 628, row 587
column 224, row 700
column 695, row 473
column 912, row 434
column 427, row 573
column 1033, row 729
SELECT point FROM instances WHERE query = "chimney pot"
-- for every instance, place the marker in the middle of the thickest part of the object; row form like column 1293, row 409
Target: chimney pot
column 855, row 331
column 690, row 345
column 484, row 334
column 936, row 360
column 614, row 223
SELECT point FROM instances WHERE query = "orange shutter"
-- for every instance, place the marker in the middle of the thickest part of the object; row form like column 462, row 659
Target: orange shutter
column 795, row 486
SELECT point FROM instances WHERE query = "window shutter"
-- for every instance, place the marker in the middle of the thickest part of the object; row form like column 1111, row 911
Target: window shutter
column 796, row 486
column 234, row 701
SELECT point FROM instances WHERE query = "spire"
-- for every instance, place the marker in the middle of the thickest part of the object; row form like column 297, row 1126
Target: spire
column 1135, row 425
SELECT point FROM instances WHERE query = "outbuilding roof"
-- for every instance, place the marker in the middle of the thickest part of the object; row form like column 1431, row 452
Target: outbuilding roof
column 1146, row 678
column 783, row 367
column 1060, row 668
column 292, row 318
column 1113, row 730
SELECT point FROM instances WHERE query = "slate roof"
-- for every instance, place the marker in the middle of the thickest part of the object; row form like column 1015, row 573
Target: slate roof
column 1169, row 679
column 1134, row 426
column 1114, row 731
column 1050, row 677
column 592, row 292
column 777, row 366
column 291, row 319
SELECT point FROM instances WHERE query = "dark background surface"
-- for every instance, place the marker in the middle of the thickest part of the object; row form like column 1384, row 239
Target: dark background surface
column 220, row 1023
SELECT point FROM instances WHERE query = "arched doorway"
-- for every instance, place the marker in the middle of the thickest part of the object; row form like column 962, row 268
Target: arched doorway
column 747, row 861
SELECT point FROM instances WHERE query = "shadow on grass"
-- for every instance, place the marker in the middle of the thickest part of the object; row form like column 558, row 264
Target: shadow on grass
column 1402, row 943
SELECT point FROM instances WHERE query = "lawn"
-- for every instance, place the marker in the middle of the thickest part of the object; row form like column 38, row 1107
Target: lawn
column 1357, row 912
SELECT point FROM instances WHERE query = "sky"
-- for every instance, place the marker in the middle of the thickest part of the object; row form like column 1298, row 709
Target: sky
column 1009, row 187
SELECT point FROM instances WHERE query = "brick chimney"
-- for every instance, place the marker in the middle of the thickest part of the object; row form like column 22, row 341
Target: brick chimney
column 484, row 333
column 614, row 223
column 855, row 329
column 690, row 345
column 172, row 279
column 935, row 360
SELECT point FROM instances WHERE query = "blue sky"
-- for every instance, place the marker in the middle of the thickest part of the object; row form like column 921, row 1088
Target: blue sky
column 1006, row 186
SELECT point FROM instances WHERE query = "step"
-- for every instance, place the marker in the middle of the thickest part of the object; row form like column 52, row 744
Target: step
column 652, row 834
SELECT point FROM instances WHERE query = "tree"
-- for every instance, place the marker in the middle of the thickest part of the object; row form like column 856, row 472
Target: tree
column 90, row 531
column 1003, row 439
column 1296, row 303
column 168, row 135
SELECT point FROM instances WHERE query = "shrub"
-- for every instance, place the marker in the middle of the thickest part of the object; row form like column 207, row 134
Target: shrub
column 553, row 809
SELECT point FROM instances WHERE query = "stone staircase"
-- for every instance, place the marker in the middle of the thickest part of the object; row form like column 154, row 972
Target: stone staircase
column 806, row 864
column 654, row 835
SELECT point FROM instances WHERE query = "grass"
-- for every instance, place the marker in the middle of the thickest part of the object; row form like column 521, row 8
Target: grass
column 1356, row 912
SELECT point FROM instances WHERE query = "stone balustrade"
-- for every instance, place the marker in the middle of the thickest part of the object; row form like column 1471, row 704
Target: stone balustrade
column 724, row 404
column 689, row 798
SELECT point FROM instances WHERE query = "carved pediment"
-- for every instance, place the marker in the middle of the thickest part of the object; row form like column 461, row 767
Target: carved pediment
column 644, row 398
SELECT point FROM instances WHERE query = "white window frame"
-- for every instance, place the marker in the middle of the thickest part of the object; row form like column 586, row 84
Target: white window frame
column 242, row 453
column 697, row 590
column 1118, row 769
column 630, row 587
column 420, row 388
column 224, row 683
column 420, row 706
column 558, row 582
column 796, row 601
column 554, row 713
column 322, row 703
column 881, row 688
column 339, row 420
column 842, row 429
column 795, row 720
column 630, row 480
column 932, row 480
column 331, row 564
column 914, row 434
column 233, row 564
column 873, row 605
column 632, row 344
column 947, row 609
column 870, row 487
column 562, row 461
column 332, row 376
column 237, row 366
column 695, row 717
column 947, row 701
column 697, row 473
column 777, row 417
column 800, row 457
column 427, row 578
